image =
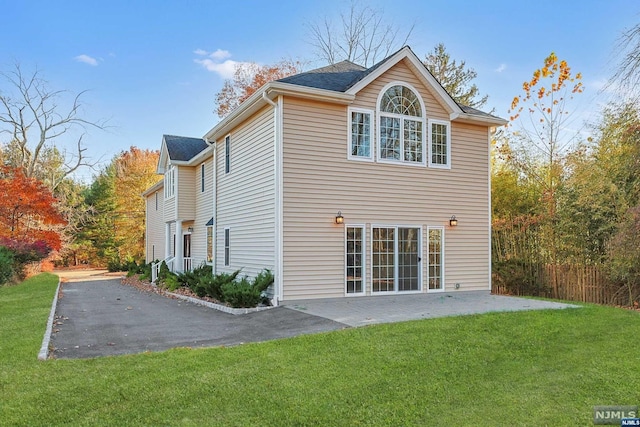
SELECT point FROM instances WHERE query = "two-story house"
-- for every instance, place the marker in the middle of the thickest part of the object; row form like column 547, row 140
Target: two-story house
column 344, row 181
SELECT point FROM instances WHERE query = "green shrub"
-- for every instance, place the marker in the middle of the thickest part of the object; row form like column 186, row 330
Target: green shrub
column 191, row 279
column 6, row 265
column 163, row 272
column 171, row 282
column 241, row 293
column 146, row 271
column 212, row 285
column 263, row 280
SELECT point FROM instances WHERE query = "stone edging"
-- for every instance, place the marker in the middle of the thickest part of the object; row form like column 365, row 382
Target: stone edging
column 219, row 307
column 44, row 348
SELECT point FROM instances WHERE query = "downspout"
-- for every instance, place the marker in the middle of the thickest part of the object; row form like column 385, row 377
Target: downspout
column 277, row 163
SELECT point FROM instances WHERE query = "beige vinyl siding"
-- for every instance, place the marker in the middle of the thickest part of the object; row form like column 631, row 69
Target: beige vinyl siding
column 186, row 193
column 319, row 181
column 155, row 226
column 170, row 209
column 203, row 213
column 246, row 196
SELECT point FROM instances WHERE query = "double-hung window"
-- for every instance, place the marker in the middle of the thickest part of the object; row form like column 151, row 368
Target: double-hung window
column 440, row 144
column 170, row 183
column 227, row 247
column 401, row 126
column 227, row 154
column 360, row 134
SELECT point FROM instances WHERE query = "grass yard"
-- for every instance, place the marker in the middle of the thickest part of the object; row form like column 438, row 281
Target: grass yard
column 526, row 368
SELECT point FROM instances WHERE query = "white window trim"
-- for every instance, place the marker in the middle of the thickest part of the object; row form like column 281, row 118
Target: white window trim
column 442, row 258
column 227, row 155
column 364, row 260
column 202, row 178
column 422, row 119
column 170, row 178
column 372, row 133
column 213, row 246
column 226, row 246
column 395, row 260
column 448, row 124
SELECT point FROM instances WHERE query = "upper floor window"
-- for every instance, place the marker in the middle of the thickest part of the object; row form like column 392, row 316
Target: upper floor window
column 227, row 154
column 360, row 134
column 440, row 140
column 170, row 183
column 401, row 126
column 202, row 178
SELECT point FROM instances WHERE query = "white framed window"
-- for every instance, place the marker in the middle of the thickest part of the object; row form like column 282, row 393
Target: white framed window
column 435, row 259
column 401, row 125
column 170, row 183
column 395, row 259
column 227, row 154
column 439, row 144
column 354, row 259
column 202, row 178
column 360, row 134
column 209, row 244
column 227, row 246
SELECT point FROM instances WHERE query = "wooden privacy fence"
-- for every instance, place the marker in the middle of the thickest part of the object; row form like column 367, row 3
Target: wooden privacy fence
column 583, row 283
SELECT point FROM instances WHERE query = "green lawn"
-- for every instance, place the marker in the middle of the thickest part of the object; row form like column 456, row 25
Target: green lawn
column 527, row 368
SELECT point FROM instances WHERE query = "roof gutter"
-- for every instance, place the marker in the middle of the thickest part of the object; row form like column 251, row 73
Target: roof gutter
column 477, row 119
column 265, row 96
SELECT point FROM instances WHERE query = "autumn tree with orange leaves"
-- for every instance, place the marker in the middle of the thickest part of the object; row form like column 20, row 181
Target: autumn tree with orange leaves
column 28, row 209
column 248, row 78
column 535, row 148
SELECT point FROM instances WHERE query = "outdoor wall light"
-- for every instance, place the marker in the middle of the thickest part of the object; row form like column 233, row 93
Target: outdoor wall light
column 339, row 218
column 190, row 229
column 453, row 221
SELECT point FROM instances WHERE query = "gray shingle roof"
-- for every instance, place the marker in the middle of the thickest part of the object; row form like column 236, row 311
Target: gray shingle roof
column 183, row 148
column 343, row 75
column 337, row 77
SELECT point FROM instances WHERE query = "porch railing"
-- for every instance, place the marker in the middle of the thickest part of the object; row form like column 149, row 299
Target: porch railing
column 155, row 268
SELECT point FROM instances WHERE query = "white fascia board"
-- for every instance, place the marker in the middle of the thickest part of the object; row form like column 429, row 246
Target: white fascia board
column 423, row 74
column 278, row 88
column 477, row 119
column 153, row 188
column 162, row 160
column 273, row 90
column 201, row 156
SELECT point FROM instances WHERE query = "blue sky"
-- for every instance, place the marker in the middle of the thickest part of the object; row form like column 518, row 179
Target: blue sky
column 142, row 61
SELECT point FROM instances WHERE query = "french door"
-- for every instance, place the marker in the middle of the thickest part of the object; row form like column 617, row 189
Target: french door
column 396, row 259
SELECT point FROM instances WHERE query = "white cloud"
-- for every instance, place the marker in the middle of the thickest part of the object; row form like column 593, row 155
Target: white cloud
column 87, row 60
column 220, row 54
column 225, row 69
column 200, row 52
column 501, row 68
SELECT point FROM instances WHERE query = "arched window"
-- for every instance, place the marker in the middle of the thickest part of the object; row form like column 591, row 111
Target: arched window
column 401, row 127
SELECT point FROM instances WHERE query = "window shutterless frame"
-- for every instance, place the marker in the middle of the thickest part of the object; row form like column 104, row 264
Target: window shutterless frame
column 355, row 259
column 439, row 144
column 435, row 259
column 227, row 154
column 360, row 134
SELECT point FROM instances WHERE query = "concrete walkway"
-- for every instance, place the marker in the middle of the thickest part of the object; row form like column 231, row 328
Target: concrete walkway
column 361, row 311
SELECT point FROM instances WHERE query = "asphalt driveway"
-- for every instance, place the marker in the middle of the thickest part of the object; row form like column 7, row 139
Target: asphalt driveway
column 103, row 318
column 98, row 316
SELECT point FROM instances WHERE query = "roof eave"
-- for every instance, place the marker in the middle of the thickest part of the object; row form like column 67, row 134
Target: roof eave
column 426, row 76
column 155, row 187
column 477, row 119
column 272, row 91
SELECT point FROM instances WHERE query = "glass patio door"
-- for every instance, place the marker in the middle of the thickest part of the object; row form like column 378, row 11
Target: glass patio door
column 396, row 259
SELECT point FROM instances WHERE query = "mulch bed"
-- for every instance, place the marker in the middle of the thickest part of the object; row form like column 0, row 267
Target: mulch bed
column 147, row 286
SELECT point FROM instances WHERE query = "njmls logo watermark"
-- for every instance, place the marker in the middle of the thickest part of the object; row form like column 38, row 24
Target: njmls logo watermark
column 616, row 415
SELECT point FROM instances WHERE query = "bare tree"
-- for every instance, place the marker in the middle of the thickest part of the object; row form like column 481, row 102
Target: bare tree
column 35, row 122
column 628, row 72
column 363, row 38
